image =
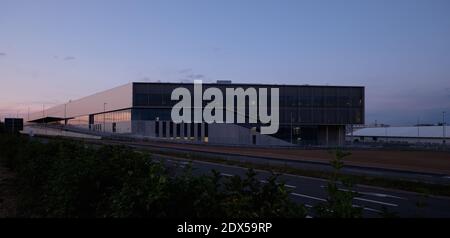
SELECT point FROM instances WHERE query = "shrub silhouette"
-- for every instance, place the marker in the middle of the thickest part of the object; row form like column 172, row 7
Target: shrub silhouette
column 62, row 178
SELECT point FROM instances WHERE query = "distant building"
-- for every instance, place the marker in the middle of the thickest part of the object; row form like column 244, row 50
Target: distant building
column 308, row 114
column 409, row 134
column 13, row 125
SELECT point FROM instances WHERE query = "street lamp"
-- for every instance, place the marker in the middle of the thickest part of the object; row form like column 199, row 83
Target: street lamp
column 418, row 129
column 386, row 133
column 104, row 117
column 65, row 114
column 291, row 127
column 443, row 127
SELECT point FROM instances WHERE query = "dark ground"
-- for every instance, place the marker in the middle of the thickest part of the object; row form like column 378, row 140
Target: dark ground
column 8, row 193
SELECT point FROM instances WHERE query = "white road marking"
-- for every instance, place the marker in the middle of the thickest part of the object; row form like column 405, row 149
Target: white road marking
column 372, row 210
column 374, row 201
column 323, row 200
column 298, row 194
column 310, row 197
column 382, row 195
column 299, row 176
column 286, row 185
column 368, row 209
column 178, row 162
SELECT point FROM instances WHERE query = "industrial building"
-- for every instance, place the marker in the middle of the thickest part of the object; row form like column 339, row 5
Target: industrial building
column 308, row 115
column 13, row 125
column 405, row 134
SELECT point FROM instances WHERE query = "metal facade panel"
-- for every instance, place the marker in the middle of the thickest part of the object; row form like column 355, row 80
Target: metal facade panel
column 116, row 98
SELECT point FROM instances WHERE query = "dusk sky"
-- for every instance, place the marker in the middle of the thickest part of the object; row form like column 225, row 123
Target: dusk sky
column 54, row 51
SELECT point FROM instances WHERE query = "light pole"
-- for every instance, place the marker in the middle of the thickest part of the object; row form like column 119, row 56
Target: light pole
column 104, row 117
column 43, row 118
column 291, row 128
column 351, row 133
column 43, row 113
column 443, row 127
column 418, row 129
column 65, row 114
column 12, row 130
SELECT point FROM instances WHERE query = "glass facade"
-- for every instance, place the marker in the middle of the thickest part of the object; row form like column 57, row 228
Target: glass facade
column 307, row 113
column 325, row 105
column 112, row 117
column 79, row 121
column 302, row 109
column 151, row 114
column 96, row 122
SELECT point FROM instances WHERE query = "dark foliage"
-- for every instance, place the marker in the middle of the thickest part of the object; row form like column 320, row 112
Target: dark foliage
column 72, row 179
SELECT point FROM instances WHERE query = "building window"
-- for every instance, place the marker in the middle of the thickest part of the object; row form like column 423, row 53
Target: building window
column 164, row 129
column 199, row 131
column 192, row 130
column 178, row 132
column 206, row 132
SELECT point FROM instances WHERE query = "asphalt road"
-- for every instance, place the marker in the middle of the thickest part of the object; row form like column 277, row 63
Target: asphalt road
column 311, row 191
column 302, row 159
column 299, row 164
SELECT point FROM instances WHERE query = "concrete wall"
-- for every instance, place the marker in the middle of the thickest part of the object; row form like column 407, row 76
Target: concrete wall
column 121, row 127
column 331, row 135
column 218, row 133
column 144, row 128
column 222, row 133
column 30, row 130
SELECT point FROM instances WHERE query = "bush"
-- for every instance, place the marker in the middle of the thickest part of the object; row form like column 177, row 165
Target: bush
column 340, row 191
column 62, row 178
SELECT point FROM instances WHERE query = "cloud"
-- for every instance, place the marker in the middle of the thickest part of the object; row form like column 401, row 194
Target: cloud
column 69, row 58
column 189, row 75
column 195, row 76
column 2, row 54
